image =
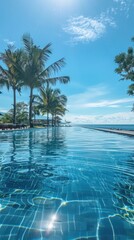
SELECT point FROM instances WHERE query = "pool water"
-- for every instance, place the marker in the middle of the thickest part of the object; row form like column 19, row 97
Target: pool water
column 65, row 184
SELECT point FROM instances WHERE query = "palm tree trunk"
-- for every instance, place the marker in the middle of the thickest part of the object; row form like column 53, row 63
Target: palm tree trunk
column 14, row 106
column 47, row 104
column 47, row 118
column 55, row 121
column 30, row 108
column 52, row 120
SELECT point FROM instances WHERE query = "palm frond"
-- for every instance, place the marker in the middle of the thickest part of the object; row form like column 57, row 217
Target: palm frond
column 45, row 52
column 28, row 42
column 53, row 68
column 54, row 80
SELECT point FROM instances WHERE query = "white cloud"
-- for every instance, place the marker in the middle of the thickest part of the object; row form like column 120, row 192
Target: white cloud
column 8, row 42
column 114, row 106
column 84, row 97
column 108, row 103
column 122, row 6
column 115, row 118
column 123, row 3
column 85, row 29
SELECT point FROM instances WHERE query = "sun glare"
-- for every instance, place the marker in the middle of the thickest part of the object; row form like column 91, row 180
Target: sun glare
column 51, row 223
column 63, row 3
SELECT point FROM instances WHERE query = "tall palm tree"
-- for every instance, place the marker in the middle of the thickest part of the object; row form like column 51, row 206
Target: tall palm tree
column 34, row 71
column 9, row 75
column 51, row 101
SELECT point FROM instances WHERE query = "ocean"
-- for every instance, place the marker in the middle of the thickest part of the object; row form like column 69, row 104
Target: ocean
column 110, row 126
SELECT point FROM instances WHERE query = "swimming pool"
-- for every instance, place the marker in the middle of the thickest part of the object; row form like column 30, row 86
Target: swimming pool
column 66, row 183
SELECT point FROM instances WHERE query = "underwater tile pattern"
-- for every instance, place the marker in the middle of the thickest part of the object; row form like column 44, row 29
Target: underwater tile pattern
column 66, row 184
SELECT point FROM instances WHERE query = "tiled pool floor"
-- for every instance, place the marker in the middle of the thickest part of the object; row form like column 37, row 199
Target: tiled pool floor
column 66, row 183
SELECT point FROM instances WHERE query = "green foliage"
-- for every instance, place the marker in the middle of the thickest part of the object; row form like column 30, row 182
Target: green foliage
column 34, row 72
column 125, row 67
column 35, row 110
column 51, row 101
column 6, row 118
column 28, row 67
column 21, row 114
column 10, row 75
column 131, row 89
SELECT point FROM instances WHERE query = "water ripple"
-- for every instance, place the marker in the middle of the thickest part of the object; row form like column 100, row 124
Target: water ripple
column 66, row 183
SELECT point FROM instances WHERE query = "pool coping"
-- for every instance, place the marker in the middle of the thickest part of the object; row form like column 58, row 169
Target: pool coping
column 117, row 131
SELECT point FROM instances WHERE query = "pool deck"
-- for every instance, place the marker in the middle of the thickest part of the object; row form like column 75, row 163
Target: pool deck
column 118, row 131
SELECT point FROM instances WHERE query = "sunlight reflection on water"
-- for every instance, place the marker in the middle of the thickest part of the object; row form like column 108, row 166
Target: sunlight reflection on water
column 66, row 183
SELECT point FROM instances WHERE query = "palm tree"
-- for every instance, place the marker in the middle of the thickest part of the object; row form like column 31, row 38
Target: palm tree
column 58, row 106
column 35, row 111
column 28, row 68
column 44, row 101
column 34, row 58
column 34, row 71
column 40, row 102
column 51, row 102
column 9, row 76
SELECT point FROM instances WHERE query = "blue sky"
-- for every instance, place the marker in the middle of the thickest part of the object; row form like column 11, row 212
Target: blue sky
column 89, row 34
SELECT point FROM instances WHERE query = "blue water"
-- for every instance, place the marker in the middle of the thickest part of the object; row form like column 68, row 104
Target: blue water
column 111, row 126
column 66, row 183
